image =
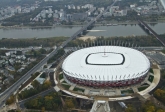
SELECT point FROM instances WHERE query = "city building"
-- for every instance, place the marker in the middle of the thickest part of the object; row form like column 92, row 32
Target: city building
column 106, row 66
column 79, row 16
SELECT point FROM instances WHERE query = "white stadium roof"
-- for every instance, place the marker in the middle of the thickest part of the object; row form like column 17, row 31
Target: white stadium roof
column 105, row 63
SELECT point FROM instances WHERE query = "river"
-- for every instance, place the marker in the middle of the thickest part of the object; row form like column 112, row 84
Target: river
column 106, row 31
column 38, row 32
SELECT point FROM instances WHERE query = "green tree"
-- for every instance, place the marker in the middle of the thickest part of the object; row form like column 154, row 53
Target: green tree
column 130, row 108
column 35, row 84
column 69, row 103
column 46, row 85
column 10, row 100
column 160, row 110
column 43, row 109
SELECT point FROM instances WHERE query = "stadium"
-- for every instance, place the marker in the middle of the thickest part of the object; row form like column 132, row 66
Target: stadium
column 105, row 67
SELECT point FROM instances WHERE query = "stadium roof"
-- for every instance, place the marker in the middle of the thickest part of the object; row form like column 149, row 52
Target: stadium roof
column 106, row 63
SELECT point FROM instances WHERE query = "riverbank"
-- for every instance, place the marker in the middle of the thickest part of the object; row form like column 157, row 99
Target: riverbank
column 84, row 38
column 26, row 42
column 97, row 24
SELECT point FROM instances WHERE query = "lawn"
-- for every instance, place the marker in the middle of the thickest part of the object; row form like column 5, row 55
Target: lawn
column 78, row 89
column 127, row 91
column 61, row 76
column 151, row 70
column 150, row 78
column 66, row 86
column 142, row 88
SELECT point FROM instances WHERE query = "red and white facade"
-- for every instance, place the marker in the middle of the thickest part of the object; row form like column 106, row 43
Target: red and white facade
column 106, row 66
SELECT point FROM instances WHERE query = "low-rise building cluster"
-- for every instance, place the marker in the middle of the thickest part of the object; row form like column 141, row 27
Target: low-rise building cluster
column 116, row 11
column 153, row 7
column 9, row 11
column 13, row 61
column 61, row 15
column 87, row 6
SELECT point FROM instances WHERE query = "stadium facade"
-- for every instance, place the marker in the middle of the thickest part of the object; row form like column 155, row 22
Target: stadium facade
column 106, row 66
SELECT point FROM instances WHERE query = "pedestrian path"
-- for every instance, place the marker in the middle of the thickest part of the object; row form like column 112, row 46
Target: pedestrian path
column 92, row 92
column 57, row 88
column 153, row 84
column 102, row 92
column 118, row 92
column 86, row 92
column 135, row 90
column 61, row 80
column 72, row 87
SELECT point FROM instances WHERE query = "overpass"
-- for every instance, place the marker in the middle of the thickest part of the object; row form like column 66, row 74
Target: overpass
column 6, row 94
column 152, row 32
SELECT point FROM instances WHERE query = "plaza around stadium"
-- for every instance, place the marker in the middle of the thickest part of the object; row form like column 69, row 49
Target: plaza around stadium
column 106, row 73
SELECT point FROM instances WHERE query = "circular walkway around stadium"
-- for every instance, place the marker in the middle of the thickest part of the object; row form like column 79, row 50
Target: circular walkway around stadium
column 114, row 94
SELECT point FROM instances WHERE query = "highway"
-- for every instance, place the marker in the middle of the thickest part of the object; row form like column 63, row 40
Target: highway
column 6, row 94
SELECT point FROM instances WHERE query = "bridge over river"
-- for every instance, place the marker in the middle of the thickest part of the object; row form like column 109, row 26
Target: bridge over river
column 150, row 30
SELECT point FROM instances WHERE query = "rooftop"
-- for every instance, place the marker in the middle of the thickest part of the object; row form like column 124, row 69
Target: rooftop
column 106, row 63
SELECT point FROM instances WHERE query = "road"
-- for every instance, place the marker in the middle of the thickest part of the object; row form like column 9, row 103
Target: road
column 21, row 103
column 6, row 94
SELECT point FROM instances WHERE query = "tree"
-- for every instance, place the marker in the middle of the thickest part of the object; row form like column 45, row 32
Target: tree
column 34, row 103
column 69, row 103
column 130, row 109
column 10, row 100
column 160, row 110
column 35, row 84
column 46, row 85
column 160, row 94
column 49, row 102
column 150, row 108
column 42, row 51
column 43, row 109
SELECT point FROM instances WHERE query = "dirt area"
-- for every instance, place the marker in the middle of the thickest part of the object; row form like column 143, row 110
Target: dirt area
column 84, row 38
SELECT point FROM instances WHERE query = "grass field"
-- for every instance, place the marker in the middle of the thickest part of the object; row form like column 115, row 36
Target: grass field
column 78, row 89
column 150, row 78
column 127, row 91
column 142, row 88
column 61, row 76
column 66, row 86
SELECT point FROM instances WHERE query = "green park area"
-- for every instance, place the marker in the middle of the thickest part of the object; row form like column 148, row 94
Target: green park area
column 51, row 102
column 148, row 106
column 139, row 40
column 22, row 43
column 37, row 88
column 160, row 95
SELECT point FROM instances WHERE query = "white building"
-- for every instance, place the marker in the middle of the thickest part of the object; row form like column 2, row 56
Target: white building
column 78, row 7
column 132, row 6
column 106, row 66
column 88, row 6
